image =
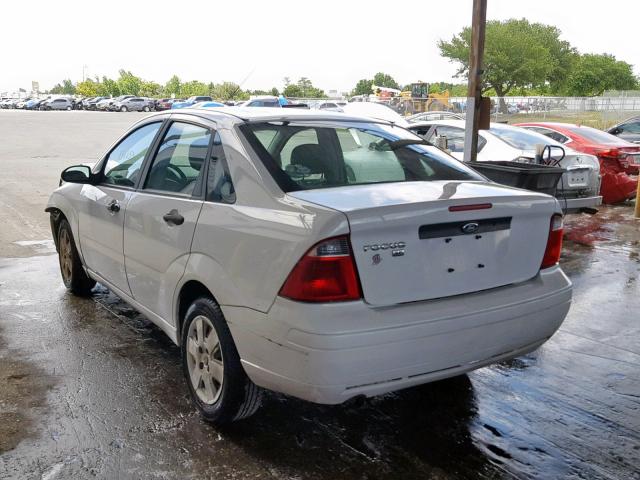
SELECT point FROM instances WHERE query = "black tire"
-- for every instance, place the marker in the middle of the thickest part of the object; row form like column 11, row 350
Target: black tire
column 124, row 109
column 238, row 396
column 73, row 275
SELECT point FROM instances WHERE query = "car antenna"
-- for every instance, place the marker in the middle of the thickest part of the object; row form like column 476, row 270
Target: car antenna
column 243, row 82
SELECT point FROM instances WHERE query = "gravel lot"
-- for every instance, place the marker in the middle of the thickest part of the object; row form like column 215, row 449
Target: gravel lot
column 91, row 389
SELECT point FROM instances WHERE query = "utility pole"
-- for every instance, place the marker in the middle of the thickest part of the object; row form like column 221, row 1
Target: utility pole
column 83, row 70
column 637, row 212
column 474, row 92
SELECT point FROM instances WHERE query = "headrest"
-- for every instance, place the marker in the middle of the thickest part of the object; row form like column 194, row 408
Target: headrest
column 312, row 156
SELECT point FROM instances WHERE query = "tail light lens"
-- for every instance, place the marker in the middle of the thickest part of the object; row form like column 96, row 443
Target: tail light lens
column 326, row 273
column 554, row 243
column 615, row 154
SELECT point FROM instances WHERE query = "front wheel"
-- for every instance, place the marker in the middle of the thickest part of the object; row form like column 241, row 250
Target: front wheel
column 73, row 275
column 68, row 109
column 146, row 109
column 123, row 109
column 219, row 387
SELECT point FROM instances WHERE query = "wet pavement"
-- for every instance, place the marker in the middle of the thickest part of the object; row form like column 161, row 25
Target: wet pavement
column 91, row 389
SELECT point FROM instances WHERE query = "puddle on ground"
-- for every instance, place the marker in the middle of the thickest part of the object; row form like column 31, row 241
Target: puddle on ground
column 22, row 396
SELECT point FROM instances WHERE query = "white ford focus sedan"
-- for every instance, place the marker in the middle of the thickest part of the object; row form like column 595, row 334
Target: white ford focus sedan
column 311, row 253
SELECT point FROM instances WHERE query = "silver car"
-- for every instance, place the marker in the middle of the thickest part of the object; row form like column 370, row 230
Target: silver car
column 134, row 104
column 59, row 104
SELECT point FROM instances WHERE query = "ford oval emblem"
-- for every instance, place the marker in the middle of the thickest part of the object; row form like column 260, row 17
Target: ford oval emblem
column 471, row 227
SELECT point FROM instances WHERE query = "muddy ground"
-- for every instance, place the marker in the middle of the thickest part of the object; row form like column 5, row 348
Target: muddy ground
column 91, row 389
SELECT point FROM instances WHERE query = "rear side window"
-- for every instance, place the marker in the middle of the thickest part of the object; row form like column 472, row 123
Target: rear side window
column 219, row 185
column 521, row 138
column 632, row 127
column 180, row 158
column 303, row 157
column 122, row 166
column 552, row 134
column 596, row 136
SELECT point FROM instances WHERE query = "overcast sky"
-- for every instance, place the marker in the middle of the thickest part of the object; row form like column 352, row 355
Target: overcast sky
column 334, row 43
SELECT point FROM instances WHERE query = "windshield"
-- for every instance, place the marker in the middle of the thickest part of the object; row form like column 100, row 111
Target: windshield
column 305, row 156
column 595, row 136
column 520, row 138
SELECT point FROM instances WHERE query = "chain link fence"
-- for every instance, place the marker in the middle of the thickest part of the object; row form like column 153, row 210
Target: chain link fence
column 599, row 112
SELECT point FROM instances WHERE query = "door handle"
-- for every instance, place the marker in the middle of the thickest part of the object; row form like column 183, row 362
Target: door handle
column 113, row 206
column 173, row 217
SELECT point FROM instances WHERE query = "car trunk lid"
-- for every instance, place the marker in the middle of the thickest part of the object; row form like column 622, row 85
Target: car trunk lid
column 416, row 241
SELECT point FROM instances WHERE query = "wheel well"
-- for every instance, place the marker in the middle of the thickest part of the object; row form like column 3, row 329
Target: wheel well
column 55, row 217
column 188, row 293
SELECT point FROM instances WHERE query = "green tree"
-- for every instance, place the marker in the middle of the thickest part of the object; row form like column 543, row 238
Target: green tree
column 88, row 88
column 517, row 54
column 108, row 87
column 227, row 91
column 292, row 90
column 363, row 87
column 194, row 87
column 150, row 89
column 128, row 83
column 303, row 88
column 65, row 88
column 173, row 86
column 381, row 79
column 274, row 92
column 594, row 74
column 68, row 88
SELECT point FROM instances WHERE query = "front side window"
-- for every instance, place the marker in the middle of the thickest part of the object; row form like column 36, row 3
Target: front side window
column 123, row 164
column 309, row 156
column 179, row 160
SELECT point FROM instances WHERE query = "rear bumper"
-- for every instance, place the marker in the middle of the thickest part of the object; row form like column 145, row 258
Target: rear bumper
column 573, row 205
column 332, row 352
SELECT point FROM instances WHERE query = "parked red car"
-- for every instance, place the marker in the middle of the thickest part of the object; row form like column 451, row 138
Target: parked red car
column 619, row 159
column 165, row 103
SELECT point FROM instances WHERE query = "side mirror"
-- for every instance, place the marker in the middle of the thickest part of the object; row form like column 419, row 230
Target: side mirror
column 76, row 174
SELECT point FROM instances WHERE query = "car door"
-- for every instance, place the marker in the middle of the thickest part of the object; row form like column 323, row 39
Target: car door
column 102, row 209
column 162, row 214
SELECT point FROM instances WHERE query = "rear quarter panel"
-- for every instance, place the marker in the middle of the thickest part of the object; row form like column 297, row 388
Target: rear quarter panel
column 243, row 252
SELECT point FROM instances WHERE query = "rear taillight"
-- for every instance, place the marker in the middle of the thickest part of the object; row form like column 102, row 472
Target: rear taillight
column 615, row 154
column 554, row 243
column 326, row 273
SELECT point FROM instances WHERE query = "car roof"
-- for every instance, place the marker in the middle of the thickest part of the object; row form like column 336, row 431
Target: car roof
column 269, row 114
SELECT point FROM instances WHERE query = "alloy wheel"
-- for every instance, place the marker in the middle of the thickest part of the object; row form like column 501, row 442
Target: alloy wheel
column 204, row 360
column 66, row 256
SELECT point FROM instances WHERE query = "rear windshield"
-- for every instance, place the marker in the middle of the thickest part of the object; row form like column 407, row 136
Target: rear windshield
column 520, row 138
column 595, row 136
column 306, row 156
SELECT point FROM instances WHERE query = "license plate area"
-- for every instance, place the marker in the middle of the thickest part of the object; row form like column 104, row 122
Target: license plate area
column 579, row 177
column 466, row 227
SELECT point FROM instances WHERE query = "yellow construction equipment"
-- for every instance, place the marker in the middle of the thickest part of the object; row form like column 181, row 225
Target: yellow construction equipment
column 418, row 99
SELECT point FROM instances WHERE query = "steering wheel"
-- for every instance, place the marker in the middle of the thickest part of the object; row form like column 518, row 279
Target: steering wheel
column 179, row 178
